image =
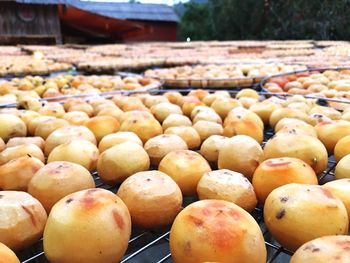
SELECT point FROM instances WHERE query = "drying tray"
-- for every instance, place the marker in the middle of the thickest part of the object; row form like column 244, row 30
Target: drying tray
column 152, row 246
column 148, row 88
column 47, row 74
column 310, row 71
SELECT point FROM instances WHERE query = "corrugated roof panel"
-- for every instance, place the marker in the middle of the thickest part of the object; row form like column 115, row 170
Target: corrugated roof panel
column 48, row 2
column 136, row 11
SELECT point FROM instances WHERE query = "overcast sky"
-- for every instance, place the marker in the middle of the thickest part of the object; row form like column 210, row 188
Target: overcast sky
column 169, row 2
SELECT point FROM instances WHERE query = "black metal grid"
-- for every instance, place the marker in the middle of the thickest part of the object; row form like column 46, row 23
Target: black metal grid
column 152, row 246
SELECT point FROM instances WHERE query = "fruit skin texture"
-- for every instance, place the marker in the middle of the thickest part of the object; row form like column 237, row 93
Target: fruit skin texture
column 211, row 147
column 38, row 141
column 342, row 148
column 188, row 134
column 7, row 255
column 276, row 172
column 296, row 213
column 341, row 189
column 241, row 154
column 229, row 186
column 22, row 219
column 11, row 126
column 81, row 152
column 304, row 147
column 121, row 161
column 186, row 168
column 216, row 231
column 102, row 126
column 2, row 145
column 144, row 125
column 330, row 133
column 152, row 197
column 342, row 170
column 115, row 138
column 89, row 226
column 324, row 250
column 159, row 146
column 206, row 129
column 66, row 134
column 17, row 173
column 58, row 179
column 11, row 153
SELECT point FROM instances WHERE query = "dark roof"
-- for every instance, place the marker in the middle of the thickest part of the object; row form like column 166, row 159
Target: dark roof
column 135, row 11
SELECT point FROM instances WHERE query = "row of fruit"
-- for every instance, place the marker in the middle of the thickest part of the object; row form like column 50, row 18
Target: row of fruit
column 327, row 84
column 49, row 149
column 23, row 90
column 219, row 75
column 46, row 59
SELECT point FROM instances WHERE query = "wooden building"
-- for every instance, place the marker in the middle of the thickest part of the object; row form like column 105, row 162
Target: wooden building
column 47, row 20
column 25, row 21
column 121, row 21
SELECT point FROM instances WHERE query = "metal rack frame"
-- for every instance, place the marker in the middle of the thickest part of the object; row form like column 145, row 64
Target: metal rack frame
column 151, row 246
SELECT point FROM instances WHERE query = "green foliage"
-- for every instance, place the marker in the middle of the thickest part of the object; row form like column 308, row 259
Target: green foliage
column 266, row 19
column 195, row 22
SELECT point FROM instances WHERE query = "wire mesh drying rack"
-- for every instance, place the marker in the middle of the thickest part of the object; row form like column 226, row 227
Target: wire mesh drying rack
column 152, row 246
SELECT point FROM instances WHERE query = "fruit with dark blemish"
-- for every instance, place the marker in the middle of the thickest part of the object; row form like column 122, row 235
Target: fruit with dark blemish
column 19, row 151
column 276, row 172
column 216, row 231
column 54, row 109
column 324, row 250
column 281, row 214
column 152, row 197
column 308, row 215
column 98, row 217
column 58, row 179
column 211, row 147
column 295, row 126
column 69, row 200
column 229, row 186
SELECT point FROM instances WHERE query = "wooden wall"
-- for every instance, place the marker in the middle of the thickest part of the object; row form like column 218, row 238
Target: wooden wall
column 28, row 23
column 153, row 31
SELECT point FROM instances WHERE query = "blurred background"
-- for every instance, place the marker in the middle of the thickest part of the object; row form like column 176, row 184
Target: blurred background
column 110, row 21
